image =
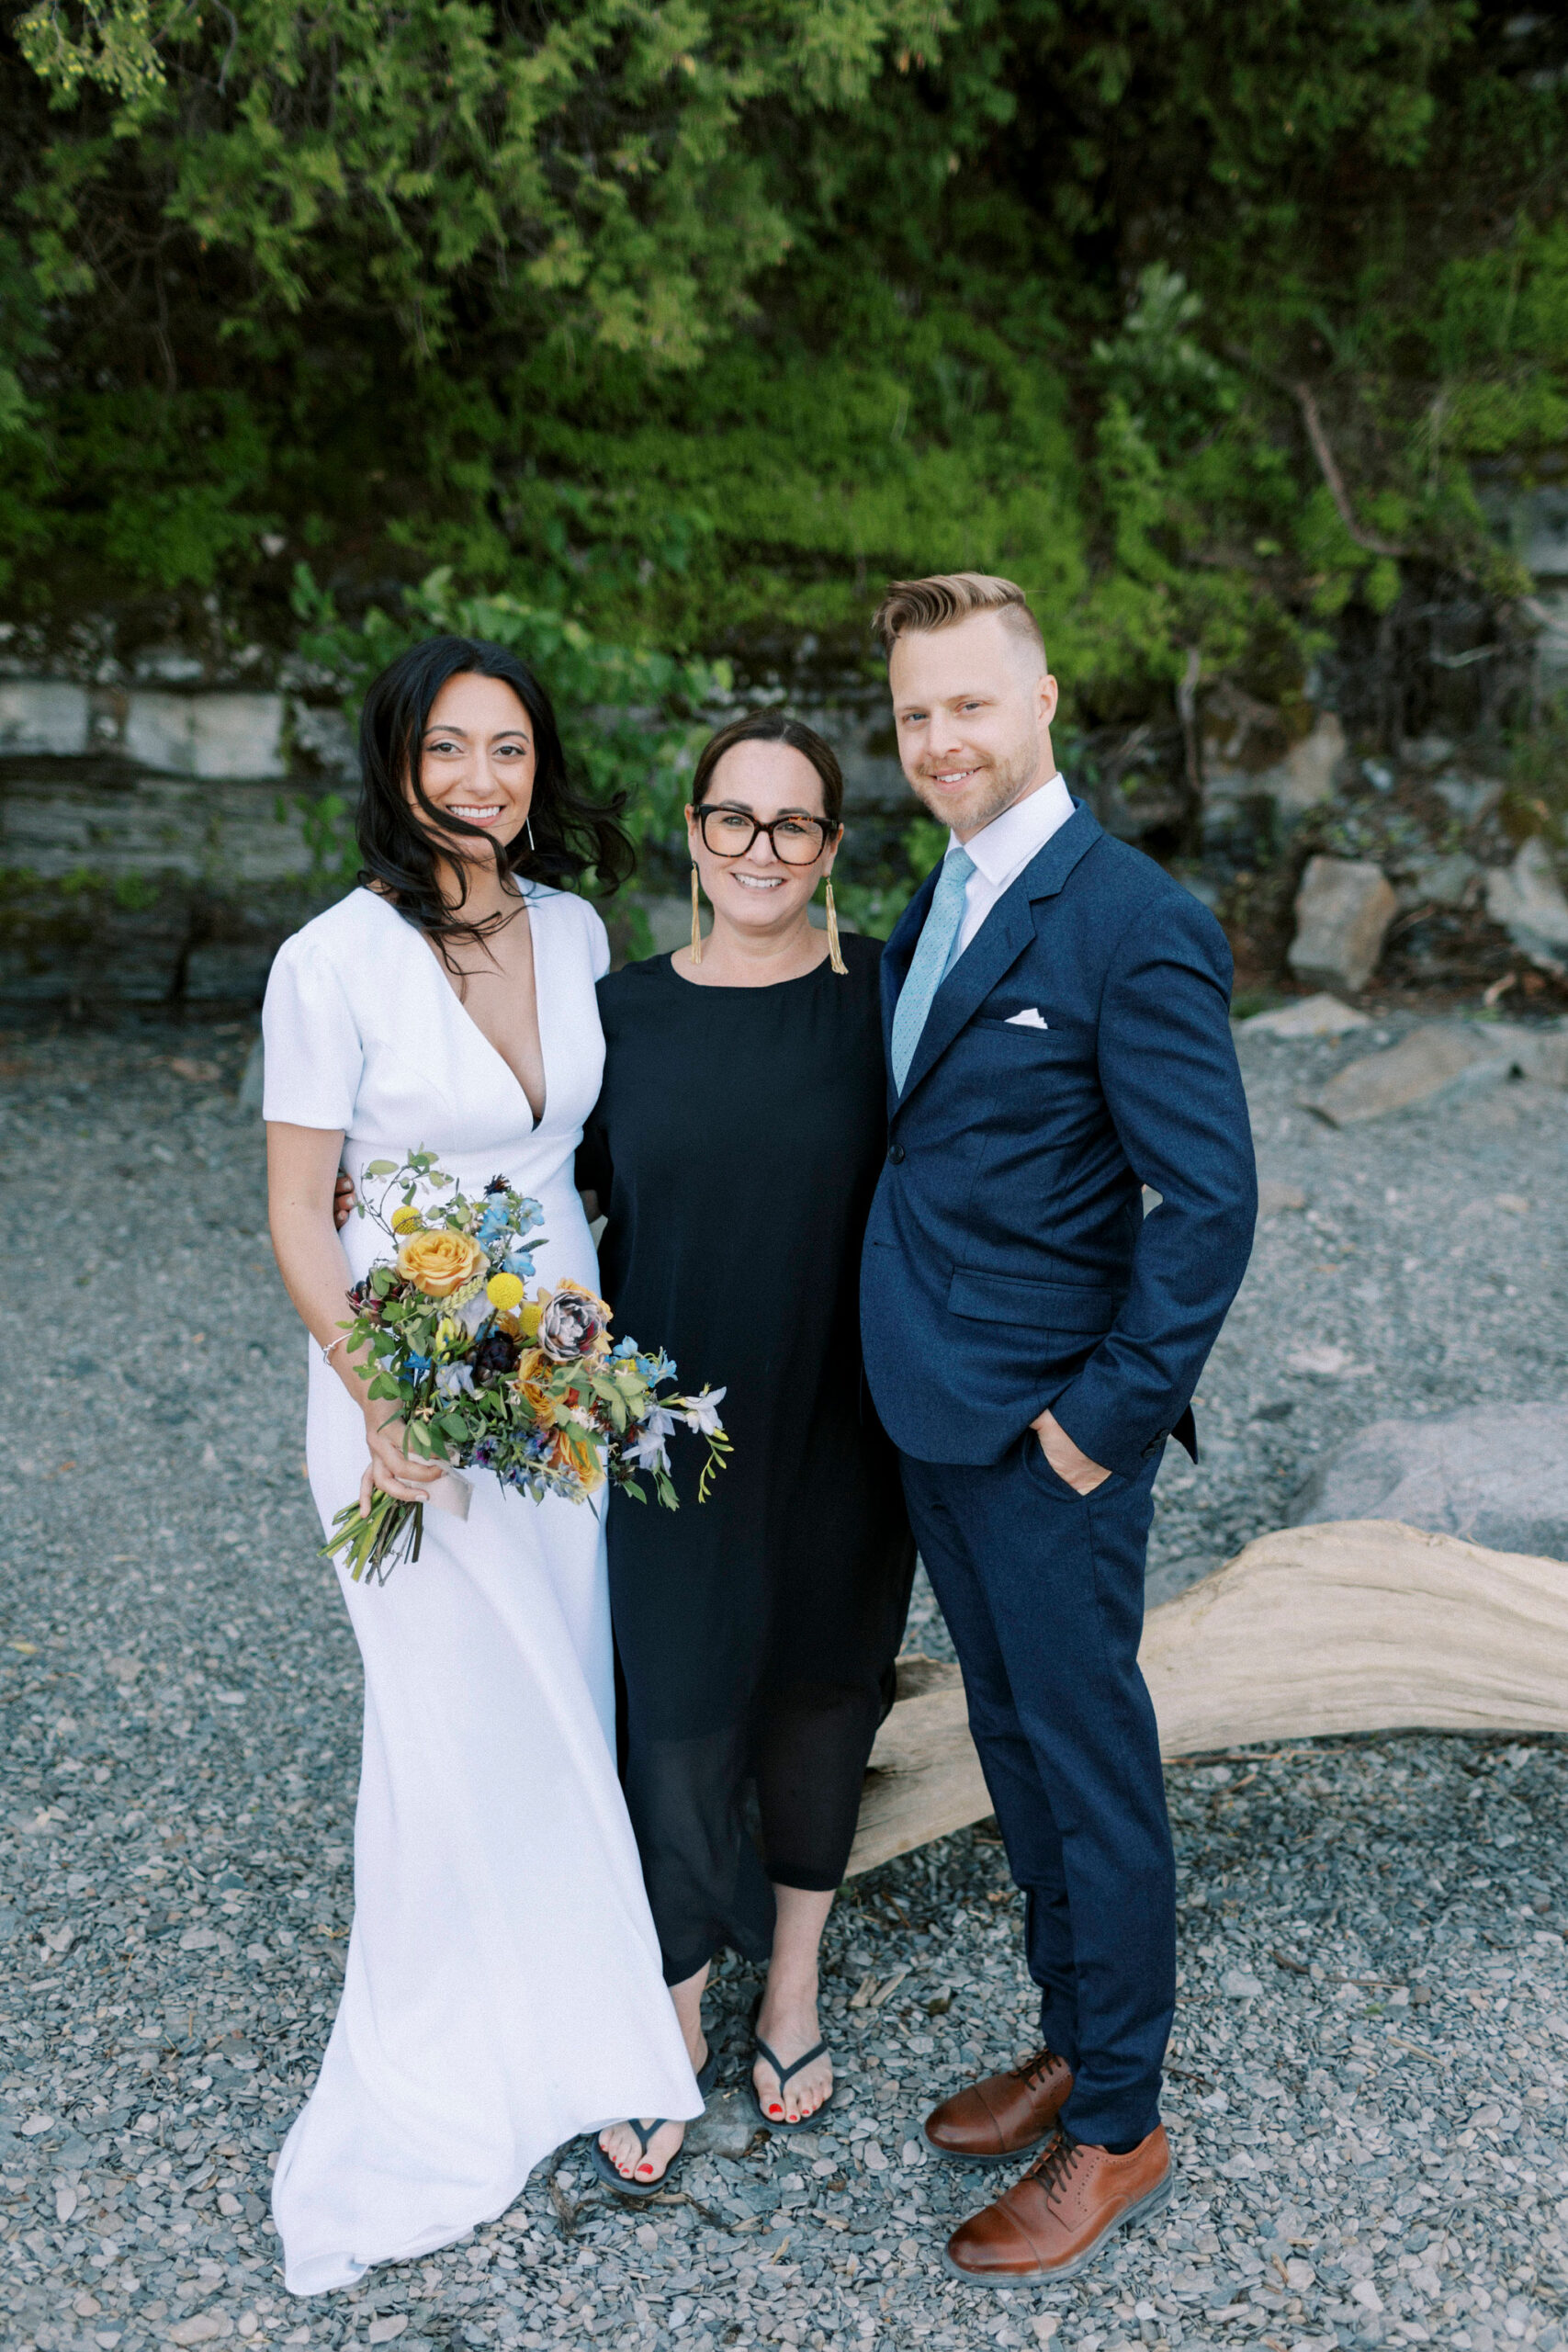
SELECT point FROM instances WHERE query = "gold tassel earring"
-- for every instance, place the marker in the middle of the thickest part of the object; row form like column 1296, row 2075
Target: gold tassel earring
column 835, row 953
column 696, row 919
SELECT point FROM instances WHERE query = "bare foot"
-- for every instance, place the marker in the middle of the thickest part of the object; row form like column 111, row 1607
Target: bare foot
column 626, row 2153
column 790, row 2030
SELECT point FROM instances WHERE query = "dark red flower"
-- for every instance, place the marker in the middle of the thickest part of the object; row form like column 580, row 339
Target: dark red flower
column 495, row 1356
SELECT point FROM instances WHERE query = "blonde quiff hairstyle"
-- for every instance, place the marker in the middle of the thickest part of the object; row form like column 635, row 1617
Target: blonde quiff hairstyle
column 950, row 597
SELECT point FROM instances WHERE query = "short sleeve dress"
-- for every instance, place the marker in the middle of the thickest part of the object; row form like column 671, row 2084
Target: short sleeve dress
column 735, row 1145
column 502, row 1989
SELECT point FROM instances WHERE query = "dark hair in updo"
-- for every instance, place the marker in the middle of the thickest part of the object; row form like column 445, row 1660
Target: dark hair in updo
column 774, row 726
column 570, row 832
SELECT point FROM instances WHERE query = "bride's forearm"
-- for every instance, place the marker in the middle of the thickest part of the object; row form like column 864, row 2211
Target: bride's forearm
column 316, row 1276
column 302, row 1170
column 302, row 1164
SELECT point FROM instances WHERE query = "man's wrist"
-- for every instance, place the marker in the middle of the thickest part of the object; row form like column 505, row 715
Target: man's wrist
column 1066, row 1458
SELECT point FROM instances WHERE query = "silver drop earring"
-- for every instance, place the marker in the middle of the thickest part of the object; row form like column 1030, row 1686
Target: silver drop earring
column 528, row 828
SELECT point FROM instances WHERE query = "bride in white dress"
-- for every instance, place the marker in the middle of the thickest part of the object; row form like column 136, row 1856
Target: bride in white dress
column 503, row 1989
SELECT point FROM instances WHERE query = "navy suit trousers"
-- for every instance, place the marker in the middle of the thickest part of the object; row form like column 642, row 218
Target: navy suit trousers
column 1043, row 1590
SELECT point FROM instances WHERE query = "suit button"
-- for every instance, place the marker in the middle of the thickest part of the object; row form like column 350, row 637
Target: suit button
column 896, row 1153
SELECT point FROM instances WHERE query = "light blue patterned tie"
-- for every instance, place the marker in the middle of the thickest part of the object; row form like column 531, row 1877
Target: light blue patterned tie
column 928, row 968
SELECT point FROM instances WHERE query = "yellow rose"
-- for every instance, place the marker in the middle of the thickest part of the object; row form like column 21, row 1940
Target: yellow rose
column 406, row 1221
column 503, row 1291
column 533, row 1376
column 440, row 1261
column 575, row 1454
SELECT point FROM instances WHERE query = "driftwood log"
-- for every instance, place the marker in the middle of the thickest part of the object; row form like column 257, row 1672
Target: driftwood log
column 1353, row 1625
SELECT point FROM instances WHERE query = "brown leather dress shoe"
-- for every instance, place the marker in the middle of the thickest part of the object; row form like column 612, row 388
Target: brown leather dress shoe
column 1052, row 2222
column 1006, row 2115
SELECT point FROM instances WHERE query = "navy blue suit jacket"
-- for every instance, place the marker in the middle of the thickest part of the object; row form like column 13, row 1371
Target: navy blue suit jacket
column 1009, row 1265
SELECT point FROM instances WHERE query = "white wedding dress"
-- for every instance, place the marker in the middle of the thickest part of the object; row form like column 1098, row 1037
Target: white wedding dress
column 503, row 1989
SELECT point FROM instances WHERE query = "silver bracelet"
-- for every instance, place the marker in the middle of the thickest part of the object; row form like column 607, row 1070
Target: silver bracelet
column 327, row 1353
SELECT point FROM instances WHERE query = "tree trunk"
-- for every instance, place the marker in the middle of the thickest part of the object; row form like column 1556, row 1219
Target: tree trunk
column 1351, row 1627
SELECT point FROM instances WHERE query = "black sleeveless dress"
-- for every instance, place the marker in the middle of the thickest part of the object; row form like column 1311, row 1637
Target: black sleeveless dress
column 735, row 1148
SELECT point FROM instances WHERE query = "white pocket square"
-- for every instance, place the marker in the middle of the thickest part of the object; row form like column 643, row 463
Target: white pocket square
column 1029, row 1018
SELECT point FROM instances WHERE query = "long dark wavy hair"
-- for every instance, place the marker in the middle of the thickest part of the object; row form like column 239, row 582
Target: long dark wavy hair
column 401, row 855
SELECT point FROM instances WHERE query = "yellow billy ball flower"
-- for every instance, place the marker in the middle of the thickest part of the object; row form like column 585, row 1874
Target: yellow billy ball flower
column 405, row 1220
column 503, row 1291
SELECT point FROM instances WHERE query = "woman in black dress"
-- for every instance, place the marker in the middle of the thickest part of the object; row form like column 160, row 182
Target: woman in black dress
column 735, row 1149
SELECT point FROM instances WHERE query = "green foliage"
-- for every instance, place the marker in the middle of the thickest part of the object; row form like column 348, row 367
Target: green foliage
column 582, row 165
column 114, row 48
column 688, row 322
column 326, row 824
column 1536, row 800
column 876, row 907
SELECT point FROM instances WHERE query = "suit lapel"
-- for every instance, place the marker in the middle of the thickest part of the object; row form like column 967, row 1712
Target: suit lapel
column 1000, row 941
column 997, row 945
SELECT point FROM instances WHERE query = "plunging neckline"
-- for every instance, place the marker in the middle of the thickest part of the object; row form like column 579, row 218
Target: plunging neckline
column 443, row 979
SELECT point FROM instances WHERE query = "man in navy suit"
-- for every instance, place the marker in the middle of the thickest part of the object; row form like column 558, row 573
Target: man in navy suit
column 1056, row 1013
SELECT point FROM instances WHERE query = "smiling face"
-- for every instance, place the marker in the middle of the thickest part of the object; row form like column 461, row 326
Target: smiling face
column 760, row 891
column 973, row 705
column 476, row 761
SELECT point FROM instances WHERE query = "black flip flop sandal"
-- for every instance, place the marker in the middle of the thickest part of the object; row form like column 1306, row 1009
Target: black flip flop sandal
column 616, row 2180
column 774, row 2123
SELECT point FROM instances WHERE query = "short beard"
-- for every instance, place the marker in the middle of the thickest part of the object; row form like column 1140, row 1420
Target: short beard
column 1006, row 782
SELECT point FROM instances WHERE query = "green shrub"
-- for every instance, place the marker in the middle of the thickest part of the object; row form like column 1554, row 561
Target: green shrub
column 690, row 320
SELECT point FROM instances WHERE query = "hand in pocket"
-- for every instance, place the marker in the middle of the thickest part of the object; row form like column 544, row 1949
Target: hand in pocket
column 1071, row 1465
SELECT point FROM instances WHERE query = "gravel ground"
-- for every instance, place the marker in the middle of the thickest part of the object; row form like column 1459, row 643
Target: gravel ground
column 1367, row 2092
column 1429, row 1270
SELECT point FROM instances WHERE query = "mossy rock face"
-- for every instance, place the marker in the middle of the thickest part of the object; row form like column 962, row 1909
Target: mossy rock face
column 106, row 818
column 123, row 887
column 91, row 942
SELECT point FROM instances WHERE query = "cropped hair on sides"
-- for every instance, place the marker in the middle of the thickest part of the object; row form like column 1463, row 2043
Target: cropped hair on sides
column 950, row 597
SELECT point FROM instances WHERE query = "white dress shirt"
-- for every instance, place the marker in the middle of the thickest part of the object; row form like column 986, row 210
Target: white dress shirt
column 1003, row 848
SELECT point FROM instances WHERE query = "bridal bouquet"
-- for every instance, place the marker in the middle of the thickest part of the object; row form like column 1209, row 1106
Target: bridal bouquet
column 483, row 1375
